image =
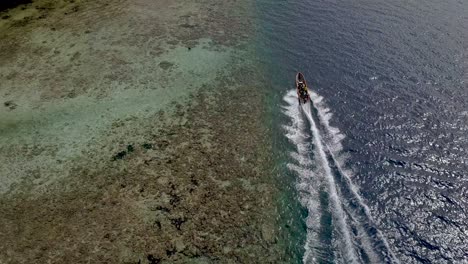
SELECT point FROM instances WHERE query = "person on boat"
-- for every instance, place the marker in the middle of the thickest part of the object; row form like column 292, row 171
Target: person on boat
column 302, row 91
column 301, row 87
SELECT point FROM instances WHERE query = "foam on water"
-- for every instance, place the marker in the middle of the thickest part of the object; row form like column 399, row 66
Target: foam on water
column 334, row 134
column 307, row 175
column 339, row 213
column 295, row 132
column 318, row 156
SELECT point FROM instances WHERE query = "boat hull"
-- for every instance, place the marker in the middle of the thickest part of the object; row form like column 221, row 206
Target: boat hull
column 302, row 94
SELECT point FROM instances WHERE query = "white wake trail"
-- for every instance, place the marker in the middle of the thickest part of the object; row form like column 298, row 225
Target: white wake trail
column 335, row 135
column 313, row 171
column 339, row 213
column 306, row 186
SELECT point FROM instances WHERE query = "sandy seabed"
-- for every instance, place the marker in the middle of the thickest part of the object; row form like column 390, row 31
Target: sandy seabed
column 131, row 132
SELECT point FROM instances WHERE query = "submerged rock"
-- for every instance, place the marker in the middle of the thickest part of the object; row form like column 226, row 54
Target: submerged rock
column 130, row 148
column 187, row 25
column 10, row 104
column 166, row 65
column 12, row 3
column 147, row 146
column 177, row 222
column 120, row 155
column 170, row 252
column 153, row 260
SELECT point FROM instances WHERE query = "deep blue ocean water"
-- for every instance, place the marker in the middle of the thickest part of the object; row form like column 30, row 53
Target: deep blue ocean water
column 379, row 161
